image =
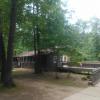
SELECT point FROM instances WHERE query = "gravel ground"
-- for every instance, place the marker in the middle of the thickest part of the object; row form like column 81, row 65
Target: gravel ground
column 33, row 88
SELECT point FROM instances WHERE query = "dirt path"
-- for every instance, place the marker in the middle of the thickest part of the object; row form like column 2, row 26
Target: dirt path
column 35, row 89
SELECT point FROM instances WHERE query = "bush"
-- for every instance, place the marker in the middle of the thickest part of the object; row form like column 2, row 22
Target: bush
column 73, row 64
column 84, row 78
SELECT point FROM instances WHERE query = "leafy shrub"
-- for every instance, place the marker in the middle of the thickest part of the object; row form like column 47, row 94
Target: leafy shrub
column 73, row 64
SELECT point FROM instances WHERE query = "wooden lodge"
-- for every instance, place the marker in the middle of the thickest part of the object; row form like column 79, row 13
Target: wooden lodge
column 25, row 59
column 48, row 60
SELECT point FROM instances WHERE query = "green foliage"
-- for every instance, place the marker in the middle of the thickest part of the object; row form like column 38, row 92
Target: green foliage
column 50, row 20
column 73, row 63
column 79, row 41
column 89, row 44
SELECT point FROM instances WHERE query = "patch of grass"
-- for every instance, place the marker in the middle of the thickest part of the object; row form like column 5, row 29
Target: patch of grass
column 3, row 89
column 66, row 79
column 72, row 80
column 10, row 89
column 66, row 82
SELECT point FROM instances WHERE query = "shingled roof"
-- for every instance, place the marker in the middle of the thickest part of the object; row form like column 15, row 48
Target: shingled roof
column 31, row 53
column 25, row 54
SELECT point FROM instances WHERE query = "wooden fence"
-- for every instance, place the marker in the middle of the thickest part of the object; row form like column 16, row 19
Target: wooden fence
column 95, row 77
column 90, row 65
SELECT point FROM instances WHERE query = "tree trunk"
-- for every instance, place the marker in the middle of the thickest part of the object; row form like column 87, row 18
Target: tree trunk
column 2, row 51
column 8, row 80
column 3, row 60
column 37, row 67
column 0, row 36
